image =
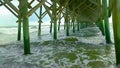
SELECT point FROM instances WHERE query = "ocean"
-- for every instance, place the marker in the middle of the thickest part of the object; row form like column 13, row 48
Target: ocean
column 83, row 49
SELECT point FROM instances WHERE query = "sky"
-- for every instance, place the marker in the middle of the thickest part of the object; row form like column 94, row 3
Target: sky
column 8, row 19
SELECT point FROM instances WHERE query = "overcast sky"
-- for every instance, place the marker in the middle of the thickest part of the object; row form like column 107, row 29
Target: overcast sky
column 8, row 19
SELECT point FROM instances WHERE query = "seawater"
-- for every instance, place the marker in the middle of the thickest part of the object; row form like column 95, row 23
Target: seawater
column 83, row 49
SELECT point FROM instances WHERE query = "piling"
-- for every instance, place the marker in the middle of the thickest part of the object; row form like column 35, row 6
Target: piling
column 19, row 29
column 40, row 21
column 106, row 21
column 54, row 13
column 116, row 27
column 100, row 24
column 26, row 38
column 73, row 25
column 67, row 23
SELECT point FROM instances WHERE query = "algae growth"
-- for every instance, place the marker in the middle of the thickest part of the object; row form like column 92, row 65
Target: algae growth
column 67, row 52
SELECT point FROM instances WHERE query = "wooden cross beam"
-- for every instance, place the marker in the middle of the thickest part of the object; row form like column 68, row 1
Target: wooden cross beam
column 9, row 9
column 48, row 11
column 29, row 5
column 43, row 14
column 37, row 16
column 35, row 8
column 11, row 6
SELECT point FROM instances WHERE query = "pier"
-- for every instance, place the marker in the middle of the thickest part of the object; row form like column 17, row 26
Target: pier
column 77, row 14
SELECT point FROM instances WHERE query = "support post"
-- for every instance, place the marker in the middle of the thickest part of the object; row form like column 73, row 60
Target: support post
column 67, row 23
column 19, row 22
column 106, row 21
column 59, row 22
column 78, row 26
column 100, row 24
column 116, row 27
column 24, row 11
column 51, row 26
column 83, row 25
column 19, row 29
column 59, row 25
column 55, row 18
column 73, row 26
column 40, row 21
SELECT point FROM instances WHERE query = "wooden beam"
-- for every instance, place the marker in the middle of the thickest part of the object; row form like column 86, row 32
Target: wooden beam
column 29, row 5
column 36, row 15
column 44, row 13
column 35, row 8
column 48, row 11
column 10, row 9
column 11, row 6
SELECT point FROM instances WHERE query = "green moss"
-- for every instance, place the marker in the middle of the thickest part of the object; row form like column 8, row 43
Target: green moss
column 70, row 56
column 71, row 39
column 45, row 42
column 75, row 66
column 93, row 54
column 96, row 64
column 41, row 62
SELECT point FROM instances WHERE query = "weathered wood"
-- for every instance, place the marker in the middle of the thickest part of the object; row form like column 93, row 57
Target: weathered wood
column 106, row 21
column 78, row 26
column 19, row 29
column 50, row 15
column 35, row 8
column 116, row 27
column 54, row 14
column 40, row 21
column 26, row 37
column 100, row 24
column 12, row 6
column 9, row 9
column 43, row 14
column 51, row 26
column 73, row 26
column 59, row 22
column 36, row 15
column 48, row 11
column 67, row 23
